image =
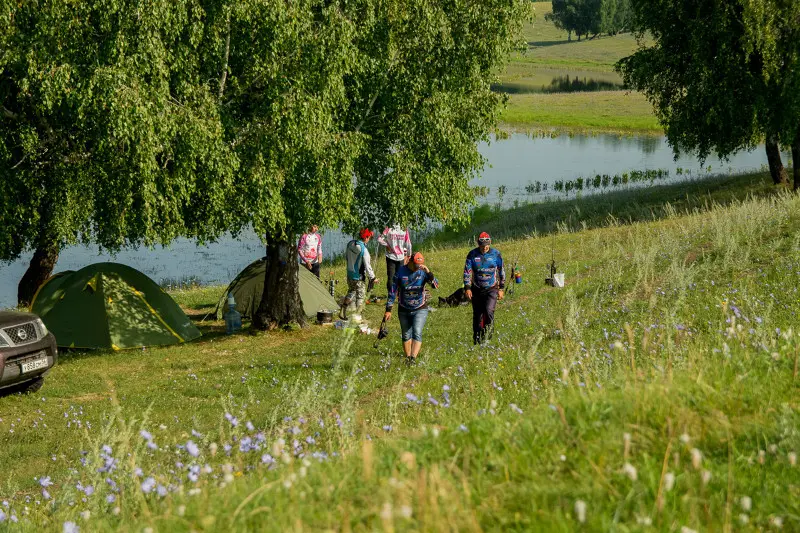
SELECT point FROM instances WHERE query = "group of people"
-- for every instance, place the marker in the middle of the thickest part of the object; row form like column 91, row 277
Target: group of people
column 408, row 278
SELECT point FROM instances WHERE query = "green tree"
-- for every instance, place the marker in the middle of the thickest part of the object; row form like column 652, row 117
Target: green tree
column 104, row 135
column 583, row 17
column 721, row 76
column 128, row 123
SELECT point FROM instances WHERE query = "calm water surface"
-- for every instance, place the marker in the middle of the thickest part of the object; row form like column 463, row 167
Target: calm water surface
column 514, row 163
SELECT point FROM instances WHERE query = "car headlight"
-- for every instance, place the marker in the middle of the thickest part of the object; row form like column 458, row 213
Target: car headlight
column 42, row 327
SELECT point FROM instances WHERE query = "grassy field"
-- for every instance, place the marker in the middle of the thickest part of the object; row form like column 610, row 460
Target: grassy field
column 550, row 56
column 656, row 392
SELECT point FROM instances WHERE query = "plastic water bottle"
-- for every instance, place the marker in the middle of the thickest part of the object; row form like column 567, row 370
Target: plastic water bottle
column 233, row 318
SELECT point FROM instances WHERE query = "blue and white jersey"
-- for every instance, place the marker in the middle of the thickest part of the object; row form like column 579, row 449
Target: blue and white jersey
column 409, row 288
column 484, row 271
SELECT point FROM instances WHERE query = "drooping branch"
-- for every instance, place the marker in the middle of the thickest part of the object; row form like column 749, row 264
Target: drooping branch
column 8, row 113
column 224, row 76
column 369, row 110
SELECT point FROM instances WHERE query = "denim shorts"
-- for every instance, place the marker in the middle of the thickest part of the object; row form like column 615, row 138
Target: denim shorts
column 412, row 323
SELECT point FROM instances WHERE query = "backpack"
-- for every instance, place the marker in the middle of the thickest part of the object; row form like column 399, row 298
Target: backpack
column 355, row 275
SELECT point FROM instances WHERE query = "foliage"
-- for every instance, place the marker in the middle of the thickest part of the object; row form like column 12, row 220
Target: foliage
column 724, row 77
column 590, row 17
column 658, row 387
column 127, row 122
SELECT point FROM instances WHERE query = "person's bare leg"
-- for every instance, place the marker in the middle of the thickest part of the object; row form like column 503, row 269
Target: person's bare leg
column 416, row 346
column 407, row 348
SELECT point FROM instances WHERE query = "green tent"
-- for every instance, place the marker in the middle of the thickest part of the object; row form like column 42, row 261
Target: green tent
column 108, row 305
column 248, row 287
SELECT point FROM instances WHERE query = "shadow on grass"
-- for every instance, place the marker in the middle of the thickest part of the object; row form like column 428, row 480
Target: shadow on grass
column 612, row 208
column 545, row 44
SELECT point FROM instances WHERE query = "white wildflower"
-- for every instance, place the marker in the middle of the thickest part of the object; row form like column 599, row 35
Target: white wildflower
column 746, row 502
column 630, row 471
column 685, row 438
column 669, row 481
column 580, row 511
column 792, row 458
column 705, row 476
column 697, row 458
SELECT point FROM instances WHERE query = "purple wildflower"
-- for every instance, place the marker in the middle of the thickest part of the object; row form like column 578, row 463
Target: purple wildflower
column 412, row 397
column 192, row 449
column 387, row 427
column 44, row 481
column 71, row 527
column 148, row 485
column 514, row 407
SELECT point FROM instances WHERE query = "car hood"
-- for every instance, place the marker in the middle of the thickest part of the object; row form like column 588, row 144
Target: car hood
column 12, row 318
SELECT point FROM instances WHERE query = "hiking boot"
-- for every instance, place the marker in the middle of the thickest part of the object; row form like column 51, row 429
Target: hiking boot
column 343, row 310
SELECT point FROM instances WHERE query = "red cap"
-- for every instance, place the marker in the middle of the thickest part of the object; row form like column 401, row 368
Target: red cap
column 418, row 258
column 484, row 235
column 365, row 233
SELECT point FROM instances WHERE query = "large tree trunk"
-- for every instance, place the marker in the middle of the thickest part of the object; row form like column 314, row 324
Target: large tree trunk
column 796, row 161
column 280, row 304
column 776, row 169
column 41, row 266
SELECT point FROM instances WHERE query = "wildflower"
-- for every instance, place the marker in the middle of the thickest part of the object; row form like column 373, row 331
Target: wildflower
column 250, row 426
column 630, row 471
column 387, row 427
column 146, row 435
column 685, row 438
column 644, row 520
column 386, row 511
column 746, row 503
column 705, row 476
column 148, row 485
column 44, row 481
column 213, row 448
column 230, row 418
column 71, row 527
column 106, row 449
column 685, row 529
column 744, row 519
column 761, row 456
column 412, row 397
column 580, row 511
column 161, row 490
column 181, row 510
column 669, row 481
column 111, row 498
column 776, row 521
column 772, row 448
column 697, row 458
column 406, row 511
column 433, row 401
column 514, row 408
column 267, row 459
column 86, row 514
column 45, row 494
column 792, row 458
column 463, row 428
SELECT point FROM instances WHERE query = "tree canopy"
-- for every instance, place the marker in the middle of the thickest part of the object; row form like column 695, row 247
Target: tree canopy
column 721, row 76
column 590, row 17
column 127, row 122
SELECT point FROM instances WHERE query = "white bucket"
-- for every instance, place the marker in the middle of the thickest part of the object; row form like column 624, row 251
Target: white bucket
column 558, row 280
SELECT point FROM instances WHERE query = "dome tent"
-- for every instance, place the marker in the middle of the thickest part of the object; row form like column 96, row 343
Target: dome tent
column 108, row 305
column 248, row 287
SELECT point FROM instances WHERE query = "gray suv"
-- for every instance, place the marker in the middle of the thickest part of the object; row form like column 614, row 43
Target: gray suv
column 27, row 351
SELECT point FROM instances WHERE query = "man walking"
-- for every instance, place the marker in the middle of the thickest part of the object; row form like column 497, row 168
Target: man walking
column 484, row 285
column 398, row 250
column 309, row 250
column 359, row 270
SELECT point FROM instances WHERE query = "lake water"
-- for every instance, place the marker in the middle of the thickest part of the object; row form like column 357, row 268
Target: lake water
column 514, row 163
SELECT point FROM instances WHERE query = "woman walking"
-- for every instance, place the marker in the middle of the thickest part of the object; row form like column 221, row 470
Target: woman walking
column 408, row 288
column 398, row 250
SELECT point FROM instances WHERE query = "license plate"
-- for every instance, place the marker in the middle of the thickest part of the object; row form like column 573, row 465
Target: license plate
column 35, row 363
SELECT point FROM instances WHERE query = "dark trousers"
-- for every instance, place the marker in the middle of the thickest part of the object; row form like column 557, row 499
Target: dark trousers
column 483, row 304
column 392, row 266
column 314, row 268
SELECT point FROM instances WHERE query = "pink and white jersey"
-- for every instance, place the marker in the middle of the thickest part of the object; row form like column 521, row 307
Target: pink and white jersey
column 397, row 242
column 309, row 249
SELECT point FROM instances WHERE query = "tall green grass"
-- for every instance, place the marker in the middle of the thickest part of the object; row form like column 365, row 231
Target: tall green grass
column 657, row 391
